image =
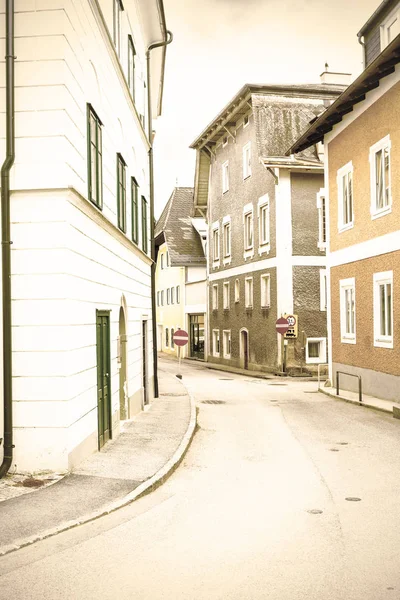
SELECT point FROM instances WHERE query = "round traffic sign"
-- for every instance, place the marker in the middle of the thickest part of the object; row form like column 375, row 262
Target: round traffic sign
column 282, row 325
column 181, row 337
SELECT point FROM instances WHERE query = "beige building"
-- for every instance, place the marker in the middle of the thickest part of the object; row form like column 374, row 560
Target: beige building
column 181, row 275
column 361, row 134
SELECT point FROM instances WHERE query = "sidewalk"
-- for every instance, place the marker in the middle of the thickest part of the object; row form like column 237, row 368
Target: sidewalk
column 368, row 401
column 148, row 449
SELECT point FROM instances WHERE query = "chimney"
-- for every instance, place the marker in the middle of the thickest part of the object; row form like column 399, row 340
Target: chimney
column 328, row 77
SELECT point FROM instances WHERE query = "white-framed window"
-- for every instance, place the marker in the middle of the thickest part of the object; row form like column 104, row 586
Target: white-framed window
column 167, row 258
column 245, row 121
column 166, row 337
column 225, row 176
column 348, row 310
column 162, row 261
column 323, row 290
column 172, row 338
column 226, row 237
column 215, row 342
column 173, row 295
column 168, row 295
column 178, row 294
column 265, row 281
column 118, row 9
column 321, row 207
column 379, row 159
column 383, row 309
column 263, row 224
column 315, row 350
column 248, row 292
column 215, row 242
column 226, row 293
column 226, row 343
column 237, row 290
column 215, row 296
column 345, row 197
column 158, row 298
column 247, row 160
column 248, row 236
column 390, row 27
column 162, row 297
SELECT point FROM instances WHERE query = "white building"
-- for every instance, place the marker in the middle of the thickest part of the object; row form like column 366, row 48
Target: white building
column 80, row 223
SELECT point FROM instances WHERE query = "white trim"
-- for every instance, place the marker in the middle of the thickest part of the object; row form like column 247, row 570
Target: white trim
column 323, row 297
column 225, row 176
column 308, row 261
column 263, row 202
column 284, row 249
column 265, row 289
column 226, row 354
column 266, row 263
column 248, row 251
column 341, row 173
column 237, row 290
column 390, row 242
column 215, row 260
column 246, row 163
column 382, row 341
column 226, row 286
column 248, row 298
column 248, row 120
column 214, row 352
column 322, row 352
column 345, row 285
column 226, row 223
column 382, row 144
column 373, row 96
column 394, row 15
column 214, row 299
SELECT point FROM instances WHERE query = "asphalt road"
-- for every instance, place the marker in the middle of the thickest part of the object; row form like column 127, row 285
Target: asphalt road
column 257, row 510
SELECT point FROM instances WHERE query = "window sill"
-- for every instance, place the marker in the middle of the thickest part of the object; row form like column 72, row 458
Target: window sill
column 216, row 265
column 322, row 246
column 376, row 214
column 266, row 307
column 216, row 355
column 315, row 361
column 383, row 343
column 227, row 260
column 227, row 356
column 249, row 307
column 342, row 228
column 345, row 340
column 264, row 249
column 226, row 308
column 248, row 253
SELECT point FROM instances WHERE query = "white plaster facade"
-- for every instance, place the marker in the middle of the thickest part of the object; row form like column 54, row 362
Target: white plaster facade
column 69, row 258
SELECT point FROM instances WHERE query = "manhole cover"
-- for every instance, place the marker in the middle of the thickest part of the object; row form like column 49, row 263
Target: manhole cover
column 226, row 378
column 353, row 499
column 172, row 394
column 315, row 511
column 334, row 449
column 277, row 384
column 273, row 400
column 213, row 402
column 343, row 443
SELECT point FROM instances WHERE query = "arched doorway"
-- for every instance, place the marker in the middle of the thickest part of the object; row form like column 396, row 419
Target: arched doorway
column 244, row 349
column 123, row 384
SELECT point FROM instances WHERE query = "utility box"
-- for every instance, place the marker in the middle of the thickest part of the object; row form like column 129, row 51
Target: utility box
column 291, row 333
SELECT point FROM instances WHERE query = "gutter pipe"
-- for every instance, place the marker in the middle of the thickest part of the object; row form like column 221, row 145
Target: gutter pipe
column 6, row 242
column 169, row 39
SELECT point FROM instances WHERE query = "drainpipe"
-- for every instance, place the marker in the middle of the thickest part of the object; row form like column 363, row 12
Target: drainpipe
column 6, row 242
column 169, row 39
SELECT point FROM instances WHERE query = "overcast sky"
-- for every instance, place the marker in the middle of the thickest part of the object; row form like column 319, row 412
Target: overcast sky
column 219, row 45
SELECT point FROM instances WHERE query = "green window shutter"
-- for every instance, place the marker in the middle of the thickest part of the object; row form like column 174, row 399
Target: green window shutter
column 144, row 225
column 135, row 210
column 131, row 66
column 94, row 150
column 121, row 193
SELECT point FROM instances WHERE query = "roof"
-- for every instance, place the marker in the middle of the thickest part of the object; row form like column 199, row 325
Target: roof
column 375, row 15
column 369, row 79
column 176, row 229
column 239, row 106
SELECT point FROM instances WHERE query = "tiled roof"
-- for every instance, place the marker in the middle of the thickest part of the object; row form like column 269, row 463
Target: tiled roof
column 175, row 227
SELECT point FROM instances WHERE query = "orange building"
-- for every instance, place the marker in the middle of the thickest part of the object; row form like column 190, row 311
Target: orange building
column 361, row 136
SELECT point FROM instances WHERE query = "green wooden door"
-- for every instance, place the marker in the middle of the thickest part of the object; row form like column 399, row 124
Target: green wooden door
column 103, row 376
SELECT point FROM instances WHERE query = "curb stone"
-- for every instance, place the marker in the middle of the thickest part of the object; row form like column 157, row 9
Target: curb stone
column 356, row 402
column 143, row 489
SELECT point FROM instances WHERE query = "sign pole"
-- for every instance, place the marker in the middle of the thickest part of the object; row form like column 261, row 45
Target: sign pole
column 179, row 363
column 181, row 338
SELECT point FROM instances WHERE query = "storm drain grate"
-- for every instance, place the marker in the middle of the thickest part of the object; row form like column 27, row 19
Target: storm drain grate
column 277, row 384
column 213, row 402
column 226, row 378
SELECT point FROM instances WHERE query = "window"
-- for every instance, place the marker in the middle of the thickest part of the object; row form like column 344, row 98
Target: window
column 158, row 298
column 168, row 295
column 162, row 297
column 131, row 66
column 172, row 339
column 245, row 121
column 348, row 311
column 323, row 291
column 225, row 177
column 383, row 309
column 263, row 221
column 248, row 292
column 224, row 141
column 265, row 281
column 215, row 296
column 178, row 294
column 162, row 261
column 118, row 8
column 247, row 160
column 226, row 233
column 215, row 342
column 248, row 231
column 345, row 197
column 215, row 243
column 121, row 193
column 390, row 28
column 315, row 350
column 237, row 290
column 95, row 163
column 167, row 258
column 226, row 344
column 135, row 210
column 172, row 295
column 144, row 224
column 226, row 295
column 321, row 207
column 379, row 158
column 166, row 337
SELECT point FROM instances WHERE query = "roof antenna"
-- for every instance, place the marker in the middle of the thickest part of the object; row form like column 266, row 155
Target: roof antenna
column 176, row 182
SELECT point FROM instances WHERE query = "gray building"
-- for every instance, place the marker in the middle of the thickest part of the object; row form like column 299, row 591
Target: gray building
column 266, row 228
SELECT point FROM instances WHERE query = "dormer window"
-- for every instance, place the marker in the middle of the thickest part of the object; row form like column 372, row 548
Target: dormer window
column 390, row 27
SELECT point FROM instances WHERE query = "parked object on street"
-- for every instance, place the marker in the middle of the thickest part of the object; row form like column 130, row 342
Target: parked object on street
column 361, row 135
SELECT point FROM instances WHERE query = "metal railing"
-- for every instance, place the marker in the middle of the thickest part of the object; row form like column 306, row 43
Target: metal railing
column 350, row 375
column 319, row 372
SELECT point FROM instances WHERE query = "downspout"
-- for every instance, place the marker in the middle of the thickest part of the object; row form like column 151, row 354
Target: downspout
column 362, row 42
column 169, row 39
column 6, row 242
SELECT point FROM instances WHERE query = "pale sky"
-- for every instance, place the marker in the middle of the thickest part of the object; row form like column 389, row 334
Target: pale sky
column 219, row 45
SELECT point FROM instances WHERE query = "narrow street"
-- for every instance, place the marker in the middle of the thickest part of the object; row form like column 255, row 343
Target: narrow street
column 257, row 509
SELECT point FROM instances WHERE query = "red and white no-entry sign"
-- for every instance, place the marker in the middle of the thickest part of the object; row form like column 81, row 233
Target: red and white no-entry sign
column 282, row 325
column 181, row 337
